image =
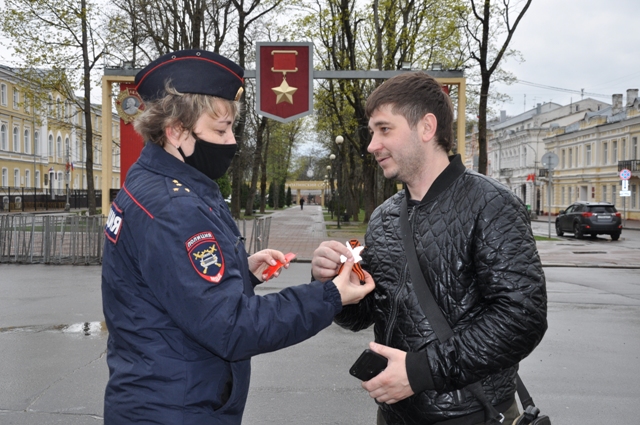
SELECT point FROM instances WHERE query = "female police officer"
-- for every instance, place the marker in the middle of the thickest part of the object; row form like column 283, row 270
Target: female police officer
column 177, row 284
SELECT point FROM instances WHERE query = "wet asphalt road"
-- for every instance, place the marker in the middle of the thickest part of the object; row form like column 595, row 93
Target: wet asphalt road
column 54, row 370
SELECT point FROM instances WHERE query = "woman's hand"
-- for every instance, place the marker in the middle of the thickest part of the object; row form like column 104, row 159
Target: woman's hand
column 261, row 260
column 349, row 286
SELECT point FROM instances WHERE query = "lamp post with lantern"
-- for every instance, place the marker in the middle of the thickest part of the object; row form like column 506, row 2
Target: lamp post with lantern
column 339, row 140
column 330, row 172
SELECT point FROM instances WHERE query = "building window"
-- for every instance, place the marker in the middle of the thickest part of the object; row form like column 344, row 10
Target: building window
column 27, row 141
column 563, row 158
column 614, row 152
column 613, row 194
column 16, row 178
column 16, row 139
column 605, row 153
column 50, row 105
column 634, row 196
column 50, row 152
column 570, row 160
column 562, row 196
column 36, row 143
column 59, row 147
column 588, row 155
column 634, row 148
column 4, row 137
column 67, row 147
column 37, row 179
column 27, row 178
column 16, row 99
column 3, row 94
column 570, row 194
column 604, row 193
column 623, row 150
column 5, row 177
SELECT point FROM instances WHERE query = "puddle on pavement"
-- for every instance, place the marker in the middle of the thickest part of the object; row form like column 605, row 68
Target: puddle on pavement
column 87, row 329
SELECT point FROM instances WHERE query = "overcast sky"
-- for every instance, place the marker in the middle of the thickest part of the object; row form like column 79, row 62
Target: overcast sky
column 574, row 44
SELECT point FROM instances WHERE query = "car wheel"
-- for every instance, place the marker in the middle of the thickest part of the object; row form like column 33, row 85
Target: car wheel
column 615, row 236
column 559, row 231
column 577, row 231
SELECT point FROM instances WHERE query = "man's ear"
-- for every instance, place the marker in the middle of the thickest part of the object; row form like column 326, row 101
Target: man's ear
column 428, row 126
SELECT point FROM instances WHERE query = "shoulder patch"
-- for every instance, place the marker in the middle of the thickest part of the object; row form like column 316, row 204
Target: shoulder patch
column 114, row 223
column 205, row 256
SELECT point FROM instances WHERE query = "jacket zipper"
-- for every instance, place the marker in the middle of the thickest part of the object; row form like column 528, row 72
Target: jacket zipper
column 396, row 294
column 458, row 395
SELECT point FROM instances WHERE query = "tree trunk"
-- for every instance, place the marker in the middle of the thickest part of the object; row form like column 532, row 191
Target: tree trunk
column 257, row 159
column 91, row 192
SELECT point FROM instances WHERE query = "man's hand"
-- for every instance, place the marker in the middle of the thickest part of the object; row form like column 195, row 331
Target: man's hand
column 349, row 286
column 326, row 260
column 261, row 260
column 392, row 384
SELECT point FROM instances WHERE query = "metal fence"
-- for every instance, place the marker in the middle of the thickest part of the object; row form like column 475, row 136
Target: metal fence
column 27, row 199
column 76, row 239
column 51, row 238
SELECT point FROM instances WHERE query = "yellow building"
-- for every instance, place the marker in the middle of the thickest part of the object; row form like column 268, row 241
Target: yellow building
column 43, row 150
column 591, row 154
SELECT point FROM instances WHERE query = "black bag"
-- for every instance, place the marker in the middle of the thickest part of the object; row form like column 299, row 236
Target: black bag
column 531, row 413
column 443, row 331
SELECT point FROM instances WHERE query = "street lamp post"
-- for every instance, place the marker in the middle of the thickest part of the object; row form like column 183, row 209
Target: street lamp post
column 534, row 194
column 339, row 140
column 67, row 205
column 331, row 157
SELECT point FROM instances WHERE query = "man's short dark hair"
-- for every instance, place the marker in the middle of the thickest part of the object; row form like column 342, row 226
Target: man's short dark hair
column 413, row 95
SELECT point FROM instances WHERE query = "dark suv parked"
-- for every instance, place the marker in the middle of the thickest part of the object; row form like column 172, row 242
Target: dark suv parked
column 590, row 218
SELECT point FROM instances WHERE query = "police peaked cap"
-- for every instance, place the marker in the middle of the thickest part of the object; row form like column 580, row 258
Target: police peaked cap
column 191, row 71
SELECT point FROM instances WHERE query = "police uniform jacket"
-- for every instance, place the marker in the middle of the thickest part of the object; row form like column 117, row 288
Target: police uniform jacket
column 179, row 302
column 477, row 253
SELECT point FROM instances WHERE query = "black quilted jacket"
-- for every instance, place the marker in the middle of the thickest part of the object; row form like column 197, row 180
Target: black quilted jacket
column 479, row 258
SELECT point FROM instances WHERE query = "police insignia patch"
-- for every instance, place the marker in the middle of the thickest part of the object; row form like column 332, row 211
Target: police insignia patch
column 206, row 257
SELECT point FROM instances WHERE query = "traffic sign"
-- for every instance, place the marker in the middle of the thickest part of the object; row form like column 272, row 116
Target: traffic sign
column 624, row 193
column 550, row 160
column 625, row 174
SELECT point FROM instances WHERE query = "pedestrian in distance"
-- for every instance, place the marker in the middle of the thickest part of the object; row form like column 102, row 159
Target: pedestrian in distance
column 177, row 283
column 477, row 255
column 301, row 203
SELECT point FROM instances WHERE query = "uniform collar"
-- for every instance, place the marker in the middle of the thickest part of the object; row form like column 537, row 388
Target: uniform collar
column 454, row 170
column 156, row 159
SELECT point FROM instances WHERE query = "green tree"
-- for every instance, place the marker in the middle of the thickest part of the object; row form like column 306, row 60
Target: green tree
column 289, row 197
column 224, row 183
column 59, row 43
column 381, row 35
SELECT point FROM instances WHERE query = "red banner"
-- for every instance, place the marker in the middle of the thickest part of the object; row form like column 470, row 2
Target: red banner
column 284, row 80
column 130, row 142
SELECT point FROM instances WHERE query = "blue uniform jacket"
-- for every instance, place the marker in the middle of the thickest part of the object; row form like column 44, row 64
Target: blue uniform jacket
column 179, row 304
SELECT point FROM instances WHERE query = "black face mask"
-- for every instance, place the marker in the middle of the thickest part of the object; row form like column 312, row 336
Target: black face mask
column 210, row 159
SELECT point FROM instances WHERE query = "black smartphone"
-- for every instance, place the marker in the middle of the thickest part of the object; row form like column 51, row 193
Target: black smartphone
column 368, row 365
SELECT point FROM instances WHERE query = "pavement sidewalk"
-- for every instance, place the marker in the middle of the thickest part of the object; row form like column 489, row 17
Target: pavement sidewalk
column 301, row 231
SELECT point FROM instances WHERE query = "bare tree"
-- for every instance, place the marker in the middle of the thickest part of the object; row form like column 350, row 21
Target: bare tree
column 489, row 27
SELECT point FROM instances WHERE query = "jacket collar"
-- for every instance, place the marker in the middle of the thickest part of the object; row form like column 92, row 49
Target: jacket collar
column 156, row 159
column 454, row 170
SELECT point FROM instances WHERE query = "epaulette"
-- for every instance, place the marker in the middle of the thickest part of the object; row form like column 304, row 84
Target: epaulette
column 177, row 189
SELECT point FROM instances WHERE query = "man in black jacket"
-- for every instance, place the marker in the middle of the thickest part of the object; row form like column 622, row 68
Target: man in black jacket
column 476, row 252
